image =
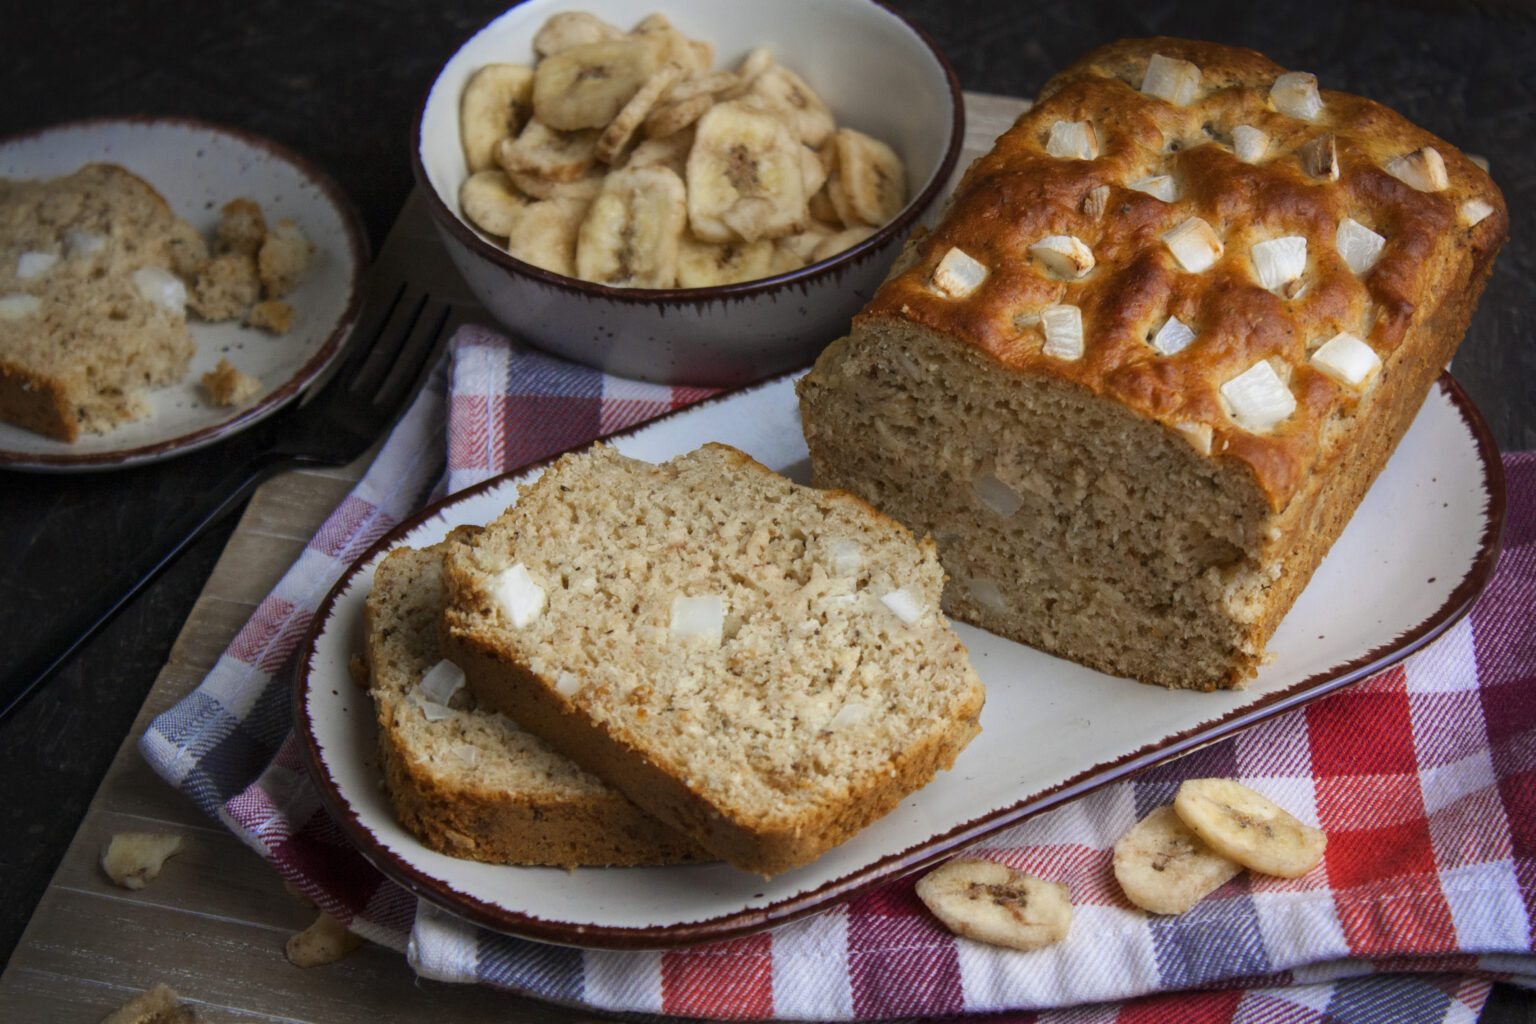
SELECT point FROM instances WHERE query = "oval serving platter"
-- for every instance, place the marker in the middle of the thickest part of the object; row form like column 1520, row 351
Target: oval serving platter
column 1418, row 552
column 198, row 167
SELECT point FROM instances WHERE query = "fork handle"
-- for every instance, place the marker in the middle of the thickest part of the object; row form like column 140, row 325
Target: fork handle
column 39, row 664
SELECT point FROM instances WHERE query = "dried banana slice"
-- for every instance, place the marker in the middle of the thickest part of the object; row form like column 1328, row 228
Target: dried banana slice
column 837, row 198
column 621, row 130
column 802, row 244
column 585, row 189
column 567, row 29
column 490, row 202
column 668, row 118
column 782, row 91
column 710, row 84
column 813, row 172
column 494, row 105
column 744, row 176
column 543, row 152
column 821, row 207
column 871, row 175
column 706, row 264
column 757, row 60
column 630, row 236
column 667, row 44
column 1249, row 828
column 991, row 902
column 545, row 234
column 670, row 151
column 587, row 85
column 840, row 241
column 1164, row 867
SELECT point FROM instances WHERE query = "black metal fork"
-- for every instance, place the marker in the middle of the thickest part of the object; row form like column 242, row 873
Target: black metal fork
column 386, row 359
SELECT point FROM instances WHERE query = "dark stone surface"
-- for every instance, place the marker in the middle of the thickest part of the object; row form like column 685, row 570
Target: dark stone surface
column 340, row 84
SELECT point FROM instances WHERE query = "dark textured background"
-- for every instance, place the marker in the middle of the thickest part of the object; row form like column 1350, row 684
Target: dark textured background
column 340, row 84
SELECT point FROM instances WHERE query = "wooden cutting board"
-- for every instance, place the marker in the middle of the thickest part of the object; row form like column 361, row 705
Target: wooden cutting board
column 214, row 924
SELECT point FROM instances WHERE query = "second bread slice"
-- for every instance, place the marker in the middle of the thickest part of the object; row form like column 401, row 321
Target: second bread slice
column 760, row 665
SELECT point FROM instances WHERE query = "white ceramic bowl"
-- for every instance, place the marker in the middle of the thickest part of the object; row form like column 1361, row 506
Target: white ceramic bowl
column 877, row 73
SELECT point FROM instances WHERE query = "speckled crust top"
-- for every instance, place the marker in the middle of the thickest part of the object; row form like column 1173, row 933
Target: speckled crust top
column 1436, row 246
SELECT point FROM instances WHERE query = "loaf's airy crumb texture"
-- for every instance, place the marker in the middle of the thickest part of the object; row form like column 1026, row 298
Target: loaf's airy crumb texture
column 759, row 664
column 1112, row 498
column 90, row 308
column 471, row 783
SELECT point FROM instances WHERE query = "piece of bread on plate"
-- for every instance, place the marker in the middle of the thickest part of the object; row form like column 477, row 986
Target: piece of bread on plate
column 92, row 312
column 761, row 665
column 1164, row 337
column 465, row 779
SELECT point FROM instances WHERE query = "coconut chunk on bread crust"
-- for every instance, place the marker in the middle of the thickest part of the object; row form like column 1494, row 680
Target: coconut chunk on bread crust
column 761, row 665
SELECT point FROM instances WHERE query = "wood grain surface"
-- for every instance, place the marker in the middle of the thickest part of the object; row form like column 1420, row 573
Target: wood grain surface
column 214, row 924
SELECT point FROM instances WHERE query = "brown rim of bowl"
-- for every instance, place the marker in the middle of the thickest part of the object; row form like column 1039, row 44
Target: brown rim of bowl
column 357, row 246
column 896, row 228
column 748, row 920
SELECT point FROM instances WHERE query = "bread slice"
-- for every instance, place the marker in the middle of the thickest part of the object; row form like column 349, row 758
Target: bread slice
column 759, row 664
column 466, row 780
column 92, row 314
column 1115, row 495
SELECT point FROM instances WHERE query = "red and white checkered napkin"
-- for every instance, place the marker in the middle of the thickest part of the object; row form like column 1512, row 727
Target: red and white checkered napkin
column 1424, row 778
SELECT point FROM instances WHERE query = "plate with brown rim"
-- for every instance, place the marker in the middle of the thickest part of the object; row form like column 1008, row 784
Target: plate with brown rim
column 198, row 167
column 1419, row 550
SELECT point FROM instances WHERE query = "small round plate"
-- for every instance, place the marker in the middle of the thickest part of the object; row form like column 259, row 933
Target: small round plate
column 198, row 167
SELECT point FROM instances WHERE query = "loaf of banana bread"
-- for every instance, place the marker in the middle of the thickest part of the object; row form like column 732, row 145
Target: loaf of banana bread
column 1166, row 334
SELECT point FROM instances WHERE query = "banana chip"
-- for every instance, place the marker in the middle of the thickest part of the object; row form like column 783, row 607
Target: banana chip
column 629, row 238
column 744, row 177
column 542, row 152
column 669, row 118
column 544, row 234
column 621, row 130
column 841, row 241
column 668, row 45
column 495, row 104
column 1249, row 828
column 587, row 85
column 490, row 202
column 993, row 903
column 785, row 93
column 1164, row 867
column 706, row 264
column 567, row 29
column 872, row 178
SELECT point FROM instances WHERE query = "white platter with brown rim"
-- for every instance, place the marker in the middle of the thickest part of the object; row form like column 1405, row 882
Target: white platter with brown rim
column 1416, row 555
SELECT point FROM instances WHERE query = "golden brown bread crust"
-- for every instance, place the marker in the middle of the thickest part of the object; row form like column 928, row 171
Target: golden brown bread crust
column 1286, row 491
column 1017, row 194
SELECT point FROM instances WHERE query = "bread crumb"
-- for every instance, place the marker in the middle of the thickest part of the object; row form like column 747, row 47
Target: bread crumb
column 272, row 315
column 242, row 228
column 227, row 287
column 134, row 859
column 159, row 1005
column 284, row 257
column 188, row 250
column 228, row 386
column 323, row 942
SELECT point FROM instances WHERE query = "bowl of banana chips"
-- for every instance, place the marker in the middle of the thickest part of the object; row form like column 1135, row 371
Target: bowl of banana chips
column 692, row 192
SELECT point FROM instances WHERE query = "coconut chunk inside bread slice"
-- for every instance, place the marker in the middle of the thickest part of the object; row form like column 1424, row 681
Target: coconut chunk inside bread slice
column 464, row 778
column 761, row 665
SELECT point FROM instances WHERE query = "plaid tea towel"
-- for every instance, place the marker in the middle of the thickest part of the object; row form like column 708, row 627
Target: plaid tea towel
column 1424, row 778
